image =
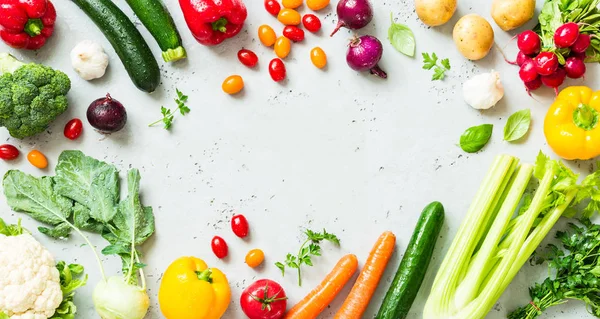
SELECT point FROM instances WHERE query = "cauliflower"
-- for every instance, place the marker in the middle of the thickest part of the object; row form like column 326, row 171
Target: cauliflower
column 29, row 280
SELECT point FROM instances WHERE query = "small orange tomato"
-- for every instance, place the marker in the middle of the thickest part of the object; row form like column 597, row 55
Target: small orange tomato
column 283, row 46
column 291, row 4
column 318, row 57
column 233, row 84
column 37, row 159
column 267, row 35
column 317, row 5
column 255, row 257
column 289, row 16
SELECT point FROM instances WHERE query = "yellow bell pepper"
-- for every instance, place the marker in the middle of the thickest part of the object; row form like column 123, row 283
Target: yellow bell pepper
column 571, row 124
column 191, row 290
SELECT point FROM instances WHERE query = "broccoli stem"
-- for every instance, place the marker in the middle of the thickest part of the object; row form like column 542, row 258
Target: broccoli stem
column 8, row 63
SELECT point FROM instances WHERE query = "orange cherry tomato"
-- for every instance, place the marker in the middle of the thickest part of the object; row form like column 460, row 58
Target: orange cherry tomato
column 283, row 46
column 318, row 57
column 267, row 35
column 255, row 257
column 233, row 84
column 289, row 16
column 317, row 5
column 291, row 4
column 37, row 159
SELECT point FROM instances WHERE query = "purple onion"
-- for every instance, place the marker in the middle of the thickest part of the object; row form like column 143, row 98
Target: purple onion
column 107, row 115
column 364, row 53
column 353, row 14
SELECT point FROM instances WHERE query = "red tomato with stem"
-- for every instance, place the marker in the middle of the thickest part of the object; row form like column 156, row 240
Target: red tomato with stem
column 239, row 225
column 311, row 22
column 277, row 70
column 248, row 58
column 264, row 299
column 8, row 152
column 273, row 7
column 219, row 247
column 73, row 129
column 293, row 33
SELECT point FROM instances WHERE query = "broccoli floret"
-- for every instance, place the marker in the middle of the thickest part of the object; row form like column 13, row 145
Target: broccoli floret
column 31, row 96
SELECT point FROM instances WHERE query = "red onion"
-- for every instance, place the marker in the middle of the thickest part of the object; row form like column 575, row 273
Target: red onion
column 364, row 53
column 353, row 14
column 107, row 115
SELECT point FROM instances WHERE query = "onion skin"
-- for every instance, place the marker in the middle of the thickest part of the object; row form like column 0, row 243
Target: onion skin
column 353, row 14
column 107, row 115
column 364, row 53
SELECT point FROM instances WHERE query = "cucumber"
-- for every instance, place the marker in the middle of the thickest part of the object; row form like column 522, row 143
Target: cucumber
column 127, row 41
column 156, row 18
column 413, row 266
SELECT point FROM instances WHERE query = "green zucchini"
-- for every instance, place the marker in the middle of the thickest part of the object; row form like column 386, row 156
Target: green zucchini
column 156, row 18
column 127, row 41
column 413, row 266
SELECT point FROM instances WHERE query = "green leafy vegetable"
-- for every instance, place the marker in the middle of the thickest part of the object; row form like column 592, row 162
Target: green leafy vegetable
column 402, row 38
column 476, row 137
column 169, row 115
column 310, row 248
column 71, row 278
column 439, row 69
column 11, row 230
column 517, row 125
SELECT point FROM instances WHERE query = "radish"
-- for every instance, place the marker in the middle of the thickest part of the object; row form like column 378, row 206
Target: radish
column 580, row 56
column 353, row 14
column 566, row 35
column 529, row 42
column 521, row 58
column 533, row 85
column 527, row 73
column 582, row 43
column 546, row 63
column 555, row 79
column 575, row 68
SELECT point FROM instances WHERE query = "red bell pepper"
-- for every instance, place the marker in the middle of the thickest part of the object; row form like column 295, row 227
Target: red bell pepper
column 26, row 24
column 213, row 21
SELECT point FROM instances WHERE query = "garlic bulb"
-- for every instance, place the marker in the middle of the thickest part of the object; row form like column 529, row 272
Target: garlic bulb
column 89, row 60
column 483, row 91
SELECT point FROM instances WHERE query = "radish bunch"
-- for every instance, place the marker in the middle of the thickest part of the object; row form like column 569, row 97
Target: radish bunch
column 550, row 66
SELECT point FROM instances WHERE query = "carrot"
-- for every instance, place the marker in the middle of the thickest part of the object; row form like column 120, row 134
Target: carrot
column 358, row 300
column 320, row 297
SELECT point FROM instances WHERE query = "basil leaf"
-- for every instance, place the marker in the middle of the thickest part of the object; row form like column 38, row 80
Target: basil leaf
column 475, row 138
column 517, row 125
column 402, row 38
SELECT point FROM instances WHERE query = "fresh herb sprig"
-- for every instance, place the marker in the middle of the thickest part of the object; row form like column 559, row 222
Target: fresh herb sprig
column 310, row 248
column 169, row 114
column 439, row 69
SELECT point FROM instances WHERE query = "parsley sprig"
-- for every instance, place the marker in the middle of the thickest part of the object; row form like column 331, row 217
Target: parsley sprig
column 169, row 115
column 310, row 248
column 439, row 69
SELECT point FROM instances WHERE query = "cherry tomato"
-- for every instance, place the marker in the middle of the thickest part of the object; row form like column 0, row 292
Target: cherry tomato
column 73, row 129
column 37, row 159
column 248, row 58
column 317, row 5
column 267, row 35
column 239, row 225
column 291, row 4
column 289, row 17
column 283, row 46
column 318, row 57
column 8, row 152
column 233, row 84
column 277, row 70
column 272, row 7
column 264, row 299
column 254, row 258
column 293, row 33
column 311, row 22
column 219, row 247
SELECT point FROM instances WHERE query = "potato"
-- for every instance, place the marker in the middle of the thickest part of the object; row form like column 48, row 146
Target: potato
column 435, row 12
column 473, row 36
column 511, row 14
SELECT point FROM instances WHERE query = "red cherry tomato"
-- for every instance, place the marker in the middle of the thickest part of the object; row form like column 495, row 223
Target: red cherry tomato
column 277, row 70
column 73, row 129
column 293, row 33
column 273, row 7
column 8, row 152
column 219, row 247
column 239, row 225
column 248, row 58
column 311, row 22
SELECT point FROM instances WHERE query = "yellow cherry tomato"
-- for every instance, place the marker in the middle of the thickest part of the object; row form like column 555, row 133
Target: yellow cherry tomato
column 317, row 5
column 318, row 57
column 291, row 4
column 37, row 159
column 283, row 46
column 267, row 35
column 255, row 257
column 233, row 84
column 289, row 16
